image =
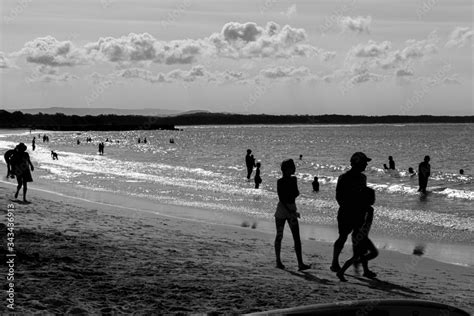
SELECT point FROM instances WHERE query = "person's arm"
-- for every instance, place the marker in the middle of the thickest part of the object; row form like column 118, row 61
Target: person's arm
column 29, row 162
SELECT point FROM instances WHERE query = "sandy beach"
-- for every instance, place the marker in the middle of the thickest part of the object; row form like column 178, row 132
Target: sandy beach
column 74, row 256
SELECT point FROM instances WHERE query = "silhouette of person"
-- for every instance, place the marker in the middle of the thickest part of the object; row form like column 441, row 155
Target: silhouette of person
column 257, row 178
column 424, row 171
column 54, row 155
column 144, row 140
column 411, row 172
column 171, row 140
column 315, row 184
column 33, row 144
column 391, row 163
column 363, row 248
column 348, row 190
column 461, row 171
column 287, row 189
column 7, row 156
column 301, row 157
column 250, row 163
column 139, row 140
column 101, row 148
column 21, row 168
column 78, row 142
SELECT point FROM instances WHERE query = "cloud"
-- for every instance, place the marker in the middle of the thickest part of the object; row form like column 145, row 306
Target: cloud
column 452, row 80
column 371, row 49
column 358, row 24
column 460, row 37
column 44, row 73
column 51, row 52
column 403, row 73
column 5, row 62
column 248, row 40
column 196, row 73
column 285, row 72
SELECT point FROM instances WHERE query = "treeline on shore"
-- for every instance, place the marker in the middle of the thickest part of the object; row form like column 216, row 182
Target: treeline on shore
column 64, row 122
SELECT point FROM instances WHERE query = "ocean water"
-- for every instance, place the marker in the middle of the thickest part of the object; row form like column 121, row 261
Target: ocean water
column 205, row 168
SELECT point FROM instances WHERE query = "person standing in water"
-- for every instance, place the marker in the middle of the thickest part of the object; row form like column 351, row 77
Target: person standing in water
column 257, row 178
column 250, row 163
column 349, row 187
column 287, row 189
column 424, row 172
column 21, row 168
column 315, row 184
column 33, row 144
column 391, row 163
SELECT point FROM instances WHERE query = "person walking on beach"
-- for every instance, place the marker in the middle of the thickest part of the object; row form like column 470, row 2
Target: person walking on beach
column 257, row 178
column 391, row 163
column 348, row 191
column 54, row 155
column 250, row 163
column 33, row 144
column 287, row 189
column 21, row 164
column 424, row 171
column 363, row 248
column 7, row 156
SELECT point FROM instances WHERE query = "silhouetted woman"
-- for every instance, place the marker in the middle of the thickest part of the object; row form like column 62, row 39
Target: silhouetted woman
column 21, row 168
column 287, row 189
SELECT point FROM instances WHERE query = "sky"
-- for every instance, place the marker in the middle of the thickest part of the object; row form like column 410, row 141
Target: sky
column 369, row 57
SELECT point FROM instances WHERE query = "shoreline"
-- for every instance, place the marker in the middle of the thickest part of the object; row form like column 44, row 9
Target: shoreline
column 78, row 256
column 309, row 232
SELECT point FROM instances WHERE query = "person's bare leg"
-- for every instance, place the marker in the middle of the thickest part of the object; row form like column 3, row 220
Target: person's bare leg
column 18, row 187
column 280, row 226
column 24, row 191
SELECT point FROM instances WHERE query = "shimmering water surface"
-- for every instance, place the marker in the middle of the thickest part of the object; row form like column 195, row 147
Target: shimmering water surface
column 205, row 168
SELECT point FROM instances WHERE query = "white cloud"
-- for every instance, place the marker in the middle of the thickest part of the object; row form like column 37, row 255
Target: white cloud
column 371, row 49
column 5, row 62
column 403, row 73
column 51, row 52
column 460, row 37
column 282, row 72
column 358, row 24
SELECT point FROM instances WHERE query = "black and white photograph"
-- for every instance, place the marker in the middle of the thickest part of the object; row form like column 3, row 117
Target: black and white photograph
column 237, row 157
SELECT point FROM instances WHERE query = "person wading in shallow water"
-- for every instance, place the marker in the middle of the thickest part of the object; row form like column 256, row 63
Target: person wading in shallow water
column 250, row 163
column 424, row 171
column 287, row 189
column 349, row 187
column 21, row 168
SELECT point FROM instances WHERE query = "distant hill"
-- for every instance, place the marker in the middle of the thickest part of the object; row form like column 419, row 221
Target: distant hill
column 99, row 111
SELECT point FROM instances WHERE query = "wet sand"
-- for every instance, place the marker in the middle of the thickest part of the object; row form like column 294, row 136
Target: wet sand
column 74, row 256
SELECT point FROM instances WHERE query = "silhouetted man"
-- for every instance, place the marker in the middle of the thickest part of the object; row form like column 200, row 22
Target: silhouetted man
column 250, row 162
column 424, row 171
column 349, row 187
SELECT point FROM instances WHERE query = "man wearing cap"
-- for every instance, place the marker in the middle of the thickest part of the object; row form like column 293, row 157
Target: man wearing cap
column 348, row 195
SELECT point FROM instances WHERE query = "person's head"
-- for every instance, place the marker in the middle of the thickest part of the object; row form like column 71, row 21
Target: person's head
column 390, row 158
column 427, row 158
column 461, row 171
column 258, row 164
column 359, row 161
column 248, row 151
column 21, row 147
column 410, row 170
column 315, row 178
column 288, row 167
